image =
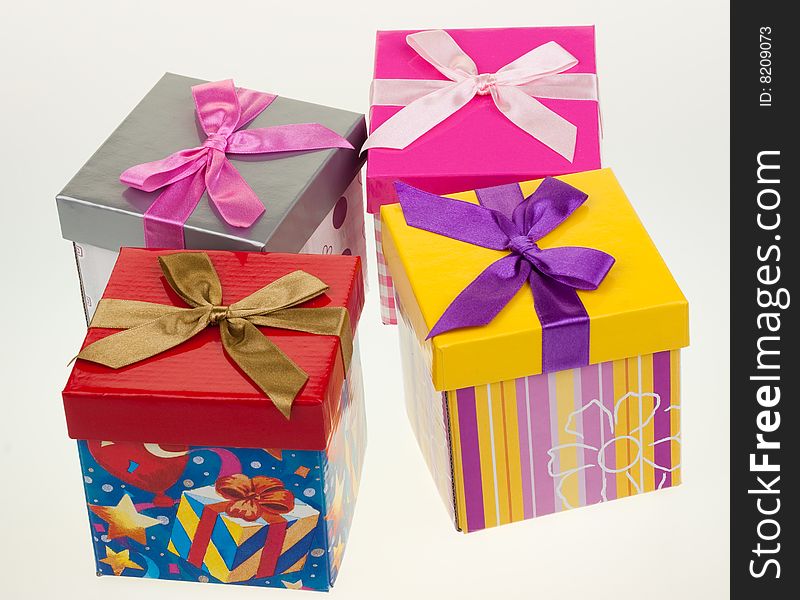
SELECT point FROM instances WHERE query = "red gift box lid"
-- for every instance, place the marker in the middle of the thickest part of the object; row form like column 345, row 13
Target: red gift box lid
column 194, row 394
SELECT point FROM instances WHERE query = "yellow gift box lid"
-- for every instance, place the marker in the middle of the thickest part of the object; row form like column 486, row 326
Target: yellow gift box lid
column 637, row 309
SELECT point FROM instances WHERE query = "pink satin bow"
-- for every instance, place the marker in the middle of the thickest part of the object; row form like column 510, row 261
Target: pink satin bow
column 222, row 110
column 427, row 103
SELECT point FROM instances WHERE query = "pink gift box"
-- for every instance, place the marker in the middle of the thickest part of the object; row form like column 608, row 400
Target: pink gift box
column 477, row 146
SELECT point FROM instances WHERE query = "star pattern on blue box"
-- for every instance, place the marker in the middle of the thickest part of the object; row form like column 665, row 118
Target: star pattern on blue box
column 134, row 493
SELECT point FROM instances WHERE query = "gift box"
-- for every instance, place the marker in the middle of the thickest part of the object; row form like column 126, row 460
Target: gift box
column 541, row 334
column 471, row 108
column 232, row 453
column 266, row 173
column 235, row 549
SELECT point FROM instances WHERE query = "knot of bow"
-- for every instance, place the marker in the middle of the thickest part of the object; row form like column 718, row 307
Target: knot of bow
column 426, row 103
column 250, row 498
column 222, row 110
column 516, row 224
column 151, row 328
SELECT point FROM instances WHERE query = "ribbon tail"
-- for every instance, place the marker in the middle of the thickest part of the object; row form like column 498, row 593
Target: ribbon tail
column 230, row 194
column 166, row 216
column 263, row 362
column 153, row 337
column 538, row 121
column 486, row 296
column 565, row 324
column 419, row 117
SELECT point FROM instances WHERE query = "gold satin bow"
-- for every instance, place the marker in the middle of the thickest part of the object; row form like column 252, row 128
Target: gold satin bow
column 152, row 328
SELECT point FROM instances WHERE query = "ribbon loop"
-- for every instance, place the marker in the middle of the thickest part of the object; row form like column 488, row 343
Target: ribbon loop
column 554, row 274
column 544, row 61
column 539, row 72
column 218, row 107
column 222, row 110
column 443, row 53
column 193, row 278
column 149, row 329
column 250, row 499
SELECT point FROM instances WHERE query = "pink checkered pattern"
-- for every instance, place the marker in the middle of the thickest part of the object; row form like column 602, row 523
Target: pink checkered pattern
column 385, row 283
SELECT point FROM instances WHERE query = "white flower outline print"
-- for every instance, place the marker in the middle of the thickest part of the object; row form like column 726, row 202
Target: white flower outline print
column 608, row 424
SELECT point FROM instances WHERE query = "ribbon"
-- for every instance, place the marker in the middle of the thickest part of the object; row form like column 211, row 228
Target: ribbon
column 427, row 103
column 184, row 176
column 250, row 499
column 508, row 221
column 151, row 328
column 247, row 499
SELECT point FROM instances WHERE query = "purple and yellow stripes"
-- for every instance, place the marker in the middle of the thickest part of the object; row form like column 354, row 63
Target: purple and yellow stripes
column 662, row 422
column 540, row 423
column 675, row 414
column 537, row 445
column 591, row 380
column 607, row 455
column 466, row 426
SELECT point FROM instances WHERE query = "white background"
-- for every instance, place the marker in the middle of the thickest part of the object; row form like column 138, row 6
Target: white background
column 72, row 70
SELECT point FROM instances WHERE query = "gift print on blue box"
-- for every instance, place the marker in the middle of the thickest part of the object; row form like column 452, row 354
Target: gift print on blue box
column 265, row 517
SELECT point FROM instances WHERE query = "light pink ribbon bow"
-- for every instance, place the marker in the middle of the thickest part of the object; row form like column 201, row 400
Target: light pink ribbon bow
column 427, row 103
column 222, row 110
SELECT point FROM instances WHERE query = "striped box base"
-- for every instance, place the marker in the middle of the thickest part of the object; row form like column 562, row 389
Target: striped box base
column 536, row 445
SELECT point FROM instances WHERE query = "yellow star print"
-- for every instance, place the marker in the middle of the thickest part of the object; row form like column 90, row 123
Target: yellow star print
column 335, row 510
column 119, row 561
column 338, row 553
column 124, row 521
column 297, row 585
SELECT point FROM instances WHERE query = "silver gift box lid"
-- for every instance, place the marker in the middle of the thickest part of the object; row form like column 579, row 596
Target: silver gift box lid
column 297, row 188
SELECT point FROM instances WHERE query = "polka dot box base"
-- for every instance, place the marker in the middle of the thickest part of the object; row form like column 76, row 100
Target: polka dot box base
column 246, row 516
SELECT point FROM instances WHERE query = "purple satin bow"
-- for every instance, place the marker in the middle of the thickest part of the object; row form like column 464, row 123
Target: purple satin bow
column 506, row 220
column 222, row 110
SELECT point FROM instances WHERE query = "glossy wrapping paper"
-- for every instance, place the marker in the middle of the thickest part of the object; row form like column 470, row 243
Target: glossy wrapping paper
column 477, row 146
column 297, row 188
column 154, row 512
column 637, row 309
column 180, row 395
column 340, row 232
column 532, row 446
column 505, row 441
column 190, row 471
